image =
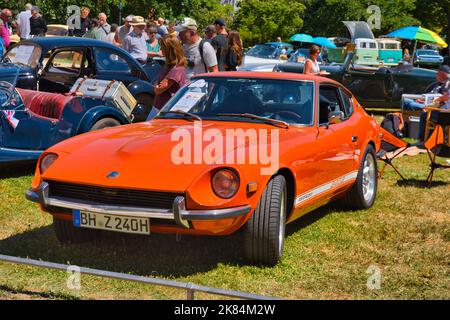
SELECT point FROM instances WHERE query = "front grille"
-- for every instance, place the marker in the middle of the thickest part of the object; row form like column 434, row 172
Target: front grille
column 113, row 196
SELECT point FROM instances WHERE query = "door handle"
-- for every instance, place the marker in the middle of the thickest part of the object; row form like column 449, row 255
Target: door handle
column 354, row 138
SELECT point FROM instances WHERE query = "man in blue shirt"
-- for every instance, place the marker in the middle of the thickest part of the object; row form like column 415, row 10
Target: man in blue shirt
column 135, row 41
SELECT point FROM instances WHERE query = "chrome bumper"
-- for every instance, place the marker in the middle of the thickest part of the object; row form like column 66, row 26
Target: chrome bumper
column 178, row 212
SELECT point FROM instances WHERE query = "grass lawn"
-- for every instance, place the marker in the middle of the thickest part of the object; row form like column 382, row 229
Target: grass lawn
column 327, row 253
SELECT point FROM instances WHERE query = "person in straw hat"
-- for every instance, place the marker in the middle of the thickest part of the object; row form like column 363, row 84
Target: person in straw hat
column 135, row 41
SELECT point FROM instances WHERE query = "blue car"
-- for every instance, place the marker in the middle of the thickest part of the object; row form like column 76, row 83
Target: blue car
column 31, row 121
column 53, row 65
column 427, row 58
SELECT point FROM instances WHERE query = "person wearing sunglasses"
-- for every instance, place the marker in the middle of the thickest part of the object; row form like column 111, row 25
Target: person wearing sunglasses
column 5, row 20
column 153, row 47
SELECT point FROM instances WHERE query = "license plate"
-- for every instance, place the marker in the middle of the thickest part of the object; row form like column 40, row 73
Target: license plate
column 391, row 59
column 93, row 220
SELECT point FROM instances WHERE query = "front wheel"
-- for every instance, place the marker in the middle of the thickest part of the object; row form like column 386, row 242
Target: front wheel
column 265, row 230
column 363, row 193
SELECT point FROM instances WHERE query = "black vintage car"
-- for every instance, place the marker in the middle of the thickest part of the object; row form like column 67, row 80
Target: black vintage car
column 374, row 87
column 54, row 64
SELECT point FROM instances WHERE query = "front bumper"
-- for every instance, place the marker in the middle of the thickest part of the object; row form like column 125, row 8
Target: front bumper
column 178, row 213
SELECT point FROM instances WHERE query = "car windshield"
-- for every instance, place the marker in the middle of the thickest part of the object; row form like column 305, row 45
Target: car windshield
column 238, row 99
column 427, row 52
column 264, row 51
column 301, row 55
column 391, row 46
column 24, row 54
column 9, row 97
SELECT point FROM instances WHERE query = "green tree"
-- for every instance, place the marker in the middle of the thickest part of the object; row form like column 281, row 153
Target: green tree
column 259, row 21
column 324, row 17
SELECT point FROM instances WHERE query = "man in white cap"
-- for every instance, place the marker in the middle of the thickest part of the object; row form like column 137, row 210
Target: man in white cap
column 200, row 54
column 124, row 30
column 23, row 22
column 135, row 41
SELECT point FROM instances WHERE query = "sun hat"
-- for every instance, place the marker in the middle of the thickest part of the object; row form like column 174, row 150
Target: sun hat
column 138, row 21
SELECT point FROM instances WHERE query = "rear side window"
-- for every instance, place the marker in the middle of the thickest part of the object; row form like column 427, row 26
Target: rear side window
column 329, row 102
column 107, row 61
column 347, row 103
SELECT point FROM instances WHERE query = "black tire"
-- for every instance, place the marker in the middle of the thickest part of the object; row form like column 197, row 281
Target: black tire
column 357, row 197
column 265, row 230
column 66, row 232
column 105, row 123
column 146, row 100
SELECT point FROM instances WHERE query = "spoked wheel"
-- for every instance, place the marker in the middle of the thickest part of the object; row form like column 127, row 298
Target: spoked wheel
column 363, row 193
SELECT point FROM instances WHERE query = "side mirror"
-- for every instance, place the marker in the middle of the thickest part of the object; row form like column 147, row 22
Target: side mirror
column 335, row 117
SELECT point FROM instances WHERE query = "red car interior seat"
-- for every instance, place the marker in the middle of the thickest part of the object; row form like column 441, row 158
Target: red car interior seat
column 45, row 104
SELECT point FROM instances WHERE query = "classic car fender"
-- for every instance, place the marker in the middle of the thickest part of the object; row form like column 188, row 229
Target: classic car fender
column 140, row 86
column 97, row 113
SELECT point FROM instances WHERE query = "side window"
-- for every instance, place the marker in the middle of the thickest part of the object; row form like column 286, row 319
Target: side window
column 347, row 103
column 329, row 103
column 107, row 61
column 67, row 62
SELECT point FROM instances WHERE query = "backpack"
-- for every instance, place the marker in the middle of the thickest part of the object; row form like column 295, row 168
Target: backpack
column 200, row 48
column 393, row 122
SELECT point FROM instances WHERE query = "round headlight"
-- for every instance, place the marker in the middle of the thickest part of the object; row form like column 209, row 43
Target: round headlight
column 225, row 183
column 47, row 161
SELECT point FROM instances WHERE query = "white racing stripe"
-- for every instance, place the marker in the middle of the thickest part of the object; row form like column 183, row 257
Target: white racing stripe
column 326, row 187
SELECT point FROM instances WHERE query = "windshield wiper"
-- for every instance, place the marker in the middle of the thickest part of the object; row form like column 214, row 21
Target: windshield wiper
column 183, row 113
column 277, row 123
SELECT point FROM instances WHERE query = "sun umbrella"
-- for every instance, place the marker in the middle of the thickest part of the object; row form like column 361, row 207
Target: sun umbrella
column 324, row 42
column 418, row 34
column 301, row 37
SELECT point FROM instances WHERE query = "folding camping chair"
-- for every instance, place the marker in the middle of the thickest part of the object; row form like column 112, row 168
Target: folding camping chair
column 390, row 143
column 438, row 142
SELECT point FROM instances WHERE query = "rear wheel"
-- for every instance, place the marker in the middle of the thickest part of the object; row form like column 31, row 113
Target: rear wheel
column 265, row 230
column 105, row 123
column 66, row 232
column 363, row 193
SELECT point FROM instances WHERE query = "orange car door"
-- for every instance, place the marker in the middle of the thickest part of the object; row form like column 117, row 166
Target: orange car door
column 336, row 142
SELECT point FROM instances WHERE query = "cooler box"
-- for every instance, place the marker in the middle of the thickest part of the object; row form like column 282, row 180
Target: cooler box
column 112, row 91
column 413, row 127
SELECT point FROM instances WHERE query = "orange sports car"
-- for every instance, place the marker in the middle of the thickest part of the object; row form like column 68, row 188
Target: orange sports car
column 239, row 151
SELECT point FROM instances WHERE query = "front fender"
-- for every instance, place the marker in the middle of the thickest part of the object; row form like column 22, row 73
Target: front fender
column 139, row 86
column 97, row 113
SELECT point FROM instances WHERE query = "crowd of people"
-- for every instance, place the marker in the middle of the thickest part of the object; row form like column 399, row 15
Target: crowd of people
column 187, row 50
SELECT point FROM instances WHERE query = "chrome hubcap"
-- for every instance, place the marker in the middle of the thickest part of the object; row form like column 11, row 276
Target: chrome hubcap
column 369, row 178
column 282, row 226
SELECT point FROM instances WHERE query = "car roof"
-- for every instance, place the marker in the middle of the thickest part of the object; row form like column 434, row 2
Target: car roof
column 50, row 43
column 364, row 40
column 54, row 42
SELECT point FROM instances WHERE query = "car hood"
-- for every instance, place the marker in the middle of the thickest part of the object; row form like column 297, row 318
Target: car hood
column 143, row 154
